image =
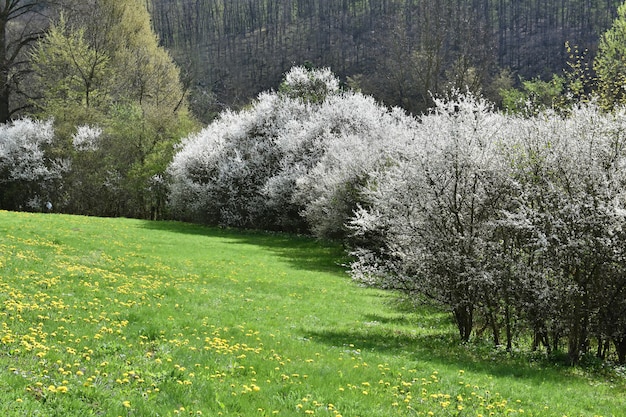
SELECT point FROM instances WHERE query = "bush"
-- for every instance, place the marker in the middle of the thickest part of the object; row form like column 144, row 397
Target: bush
column 285, row 157
column 29, row 176
column 506, row 220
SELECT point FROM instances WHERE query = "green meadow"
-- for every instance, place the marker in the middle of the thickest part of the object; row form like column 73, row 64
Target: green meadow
column 119, row 317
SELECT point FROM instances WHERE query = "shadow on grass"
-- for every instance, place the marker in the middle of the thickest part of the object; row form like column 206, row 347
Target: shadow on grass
column 427, row 334
column 441, row 350
column 300, row 252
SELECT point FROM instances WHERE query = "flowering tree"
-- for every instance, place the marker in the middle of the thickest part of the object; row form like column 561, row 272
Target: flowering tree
column 429, row 212
column 290, row 153
column 510, row 219
column 28, row 175
column 101, row 64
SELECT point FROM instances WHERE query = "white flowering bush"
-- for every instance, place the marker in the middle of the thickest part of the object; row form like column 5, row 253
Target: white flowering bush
column 218, row 175
column 29, row 176
column 357, row 136
column 309, row 85
column 288, row 162
column 87, row 138
column 506, row 220
column 427, row 223
column 567, row 226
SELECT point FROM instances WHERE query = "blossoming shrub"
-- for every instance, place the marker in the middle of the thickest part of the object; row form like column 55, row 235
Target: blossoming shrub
column 218, row 174
column 426, row 227
column 295, row 160
column 359, row 136
column 506, row 220
column 566, row 228
column 29, row 176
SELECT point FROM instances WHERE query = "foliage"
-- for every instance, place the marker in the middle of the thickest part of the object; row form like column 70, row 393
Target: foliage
column 124, row 317
column 101, row 65
column 29, row 175
column 585, row 78
column 73, row 75
column 609, row 63
column 535, row 95
column 580, row 78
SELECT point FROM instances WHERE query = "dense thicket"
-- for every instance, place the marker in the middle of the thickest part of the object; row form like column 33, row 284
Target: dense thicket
column 395, row 50
column 511, row 222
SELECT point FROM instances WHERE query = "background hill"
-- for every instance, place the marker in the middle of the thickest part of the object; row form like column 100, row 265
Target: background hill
column 396, row 50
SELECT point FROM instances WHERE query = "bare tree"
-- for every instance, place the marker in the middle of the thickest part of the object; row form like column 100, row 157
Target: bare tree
column 21, row 23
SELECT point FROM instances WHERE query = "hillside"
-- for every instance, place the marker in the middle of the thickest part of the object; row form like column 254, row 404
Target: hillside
column 114, row 317
column 396, row 50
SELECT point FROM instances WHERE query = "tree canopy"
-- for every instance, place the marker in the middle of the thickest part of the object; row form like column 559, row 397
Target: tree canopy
column 610, row 63
column 101, row 65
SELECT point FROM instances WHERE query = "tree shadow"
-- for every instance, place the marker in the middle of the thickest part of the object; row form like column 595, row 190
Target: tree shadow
column 300, row 252
column 427, row 333
column 441, row 349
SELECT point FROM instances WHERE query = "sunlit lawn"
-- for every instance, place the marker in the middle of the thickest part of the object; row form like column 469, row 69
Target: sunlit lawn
column 117, row 317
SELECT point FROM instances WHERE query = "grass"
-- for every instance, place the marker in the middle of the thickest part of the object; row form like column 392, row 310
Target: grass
column 118, row 317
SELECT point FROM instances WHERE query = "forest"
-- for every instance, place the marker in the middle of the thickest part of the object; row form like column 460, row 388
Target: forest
column 399, row 51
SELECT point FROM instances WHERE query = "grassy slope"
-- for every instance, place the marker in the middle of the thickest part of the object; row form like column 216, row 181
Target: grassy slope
column 122, row 317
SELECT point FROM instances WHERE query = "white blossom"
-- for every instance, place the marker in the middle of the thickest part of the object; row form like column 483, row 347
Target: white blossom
column 87, row 138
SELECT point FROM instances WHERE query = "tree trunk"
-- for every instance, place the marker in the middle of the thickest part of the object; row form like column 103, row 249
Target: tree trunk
column 464, row 321
column 4, row 71
column 509, row 328
column 620, row 347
